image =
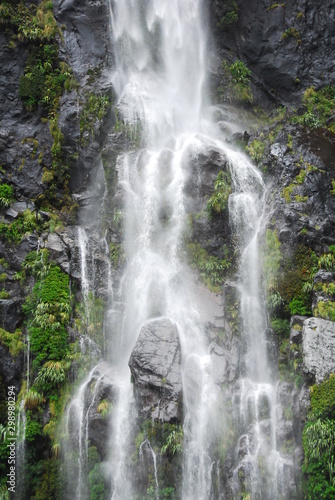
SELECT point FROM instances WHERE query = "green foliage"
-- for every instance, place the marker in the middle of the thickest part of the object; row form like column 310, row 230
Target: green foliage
column 291, row 33
column 104, row 408
column 24, row 224
column 6, row 195
column 33, row 400
column 48, row 312
column 44, row 78
column 238, row 87
column 272, row 258
column 51, row 376
column 256, row 150
column 13, row 341
column 212, row 269
column 320, row 105
column 319, row 448
column 290, row 284
column 323, row 398
column 174, row 442
column 217, row 203
column 240, row 73
column 298, row 306
column 33, row 427
column 96, row 483
column 231, row 14
column 50, row 484
column 276, row 5
column 281, row 327
column 298, row 181
column 95, row 109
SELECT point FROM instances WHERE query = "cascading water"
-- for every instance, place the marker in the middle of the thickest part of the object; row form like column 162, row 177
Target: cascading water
column 159, row 79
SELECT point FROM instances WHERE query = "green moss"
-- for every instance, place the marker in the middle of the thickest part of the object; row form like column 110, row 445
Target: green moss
column 276, row 5
column 13, row 341
column 295, row 273
column 323, row 398
column 325, row 310
column 291, row 33
column 301, row 199
column 218, row 202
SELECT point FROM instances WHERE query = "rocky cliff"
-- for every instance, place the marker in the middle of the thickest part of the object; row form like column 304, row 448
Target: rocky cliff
column 60, row 135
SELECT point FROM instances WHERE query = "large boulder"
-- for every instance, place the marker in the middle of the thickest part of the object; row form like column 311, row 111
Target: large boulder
column 318, row 345
column 156, row 371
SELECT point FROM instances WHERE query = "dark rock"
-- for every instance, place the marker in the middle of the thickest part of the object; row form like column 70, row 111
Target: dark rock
column 11, row 316
column 104, row 388
column 156, row 371
column 11, row 369
column 282, row 68
column 296, row 325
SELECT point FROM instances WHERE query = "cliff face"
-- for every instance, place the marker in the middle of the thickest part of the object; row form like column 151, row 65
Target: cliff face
column 60, row 162
column 288, row 46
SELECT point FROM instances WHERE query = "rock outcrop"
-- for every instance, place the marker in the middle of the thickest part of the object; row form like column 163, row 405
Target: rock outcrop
column 288, row 46
column 156, row 371
column 318, row 344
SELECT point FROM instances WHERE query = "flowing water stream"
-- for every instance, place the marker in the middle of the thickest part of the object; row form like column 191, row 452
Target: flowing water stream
column 160, row 82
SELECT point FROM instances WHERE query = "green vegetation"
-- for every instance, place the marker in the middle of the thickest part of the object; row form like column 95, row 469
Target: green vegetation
column 174, row 442
column 238, row 83
column 320, row 106
column 6, row 195
column 298, row 181
column 272, row 259
column 291, row 33
column 94, row 110
column 212, row 269
column 217, row 203
column 319, row 442
column 276, row 5
column 48, row 312
column 231, row 14
column 256, row 150
column 24, row 224
column 13, row 341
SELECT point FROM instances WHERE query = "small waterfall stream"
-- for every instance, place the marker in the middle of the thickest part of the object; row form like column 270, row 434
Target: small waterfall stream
column 160, row 82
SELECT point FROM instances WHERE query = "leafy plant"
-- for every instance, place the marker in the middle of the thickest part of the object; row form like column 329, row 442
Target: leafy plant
column 174, row 442
column 13, row 341
column 6, row 195
column 217, row 203
column 212, row 269
column 51, row 375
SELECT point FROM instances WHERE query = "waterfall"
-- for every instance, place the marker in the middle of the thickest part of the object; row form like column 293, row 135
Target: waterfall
column 160, row 82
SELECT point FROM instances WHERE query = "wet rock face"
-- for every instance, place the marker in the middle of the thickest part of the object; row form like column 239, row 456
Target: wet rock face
column 318, row 344
column 288, row 47
column 156, row 371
